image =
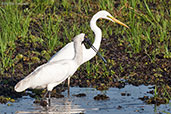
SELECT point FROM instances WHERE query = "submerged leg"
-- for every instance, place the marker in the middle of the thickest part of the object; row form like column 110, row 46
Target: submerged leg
column 49, row 97
column 44, row 97
column 69, row 86
column 49, row 101
column 43, row 101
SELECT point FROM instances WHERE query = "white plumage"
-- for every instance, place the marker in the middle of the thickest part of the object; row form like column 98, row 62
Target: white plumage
column 59, row 66
column 52, row 74
column 67, row 52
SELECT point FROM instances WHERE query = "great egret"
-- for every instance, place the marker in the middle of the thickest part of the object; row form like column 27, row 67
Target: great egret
column 52, row 74
column 67, row 52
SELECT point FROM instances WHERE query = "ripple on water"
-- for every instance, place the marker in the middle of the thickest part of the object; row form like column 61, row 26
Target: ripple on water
column 125, row 100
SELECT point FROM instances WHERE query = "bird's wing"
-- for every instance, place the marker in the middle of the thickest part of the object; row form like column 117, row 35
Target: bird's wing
column 55, row 72
column 52, row 73
column 26, row 82
column 66, row 52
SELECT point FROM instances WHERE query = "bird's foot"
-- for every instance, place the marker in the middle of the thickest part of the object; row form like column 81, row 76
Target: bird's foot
column 43, row 103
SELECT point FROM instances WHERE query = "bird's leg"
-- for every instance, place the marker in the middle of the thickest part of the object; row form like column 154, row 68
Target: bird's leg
column 44, row 97
column 68, row 86
column 49, row 101
column 43, row 101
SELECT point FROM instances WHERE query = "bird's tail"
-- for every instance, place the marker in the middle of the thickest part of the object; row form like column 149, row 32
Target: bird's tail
column 22, row 85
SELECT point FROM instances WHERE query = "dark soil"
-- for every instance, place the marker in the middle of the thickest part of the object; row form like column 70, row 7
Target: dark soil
column 154, row 100
column 80, row 95
column 101, row 97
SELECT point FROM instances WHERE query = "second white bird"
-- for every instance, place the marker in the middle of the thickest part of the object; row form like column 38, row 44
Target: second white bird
column 52, row 74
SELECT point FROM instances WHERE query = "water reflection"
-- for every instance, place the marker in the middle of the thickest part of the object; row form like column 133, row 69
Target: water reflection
column 65, row 106
column 117, row 104
column 61, row 106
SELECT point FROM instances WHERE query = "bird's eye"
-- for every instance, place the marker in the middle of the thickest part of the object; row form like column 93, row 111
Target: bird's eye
column 108, row 16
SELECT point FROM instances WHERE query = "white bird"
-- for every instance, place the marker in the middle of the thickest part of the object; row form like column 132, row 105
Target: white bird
column 52, row 74
column 67, row 52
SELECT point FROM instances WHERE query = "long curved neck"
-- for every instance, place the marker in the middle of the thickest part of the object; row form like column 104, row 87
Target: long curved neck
column 97, row 32
column 78, row 52
column 90, row 53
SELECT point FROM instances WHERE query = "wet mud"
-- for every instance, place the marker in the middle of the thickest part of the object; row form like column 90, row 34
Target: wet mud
column 101, row 97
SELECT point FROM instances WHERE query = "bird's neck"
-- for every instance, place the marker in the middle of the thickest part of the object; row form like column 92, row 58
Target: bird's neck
column 78, row 53
column 90, row 53
column 97, row 32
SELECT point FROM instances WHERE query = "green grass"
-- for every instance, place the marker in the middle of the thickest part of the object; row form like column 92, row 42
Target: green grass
column 13, row 24
column 50, row 31
column 150, row 26
column 58, row 22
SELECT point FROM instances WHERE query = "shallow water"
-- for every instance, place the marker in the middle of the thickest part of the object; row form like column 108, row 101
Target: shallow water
column 117, row 104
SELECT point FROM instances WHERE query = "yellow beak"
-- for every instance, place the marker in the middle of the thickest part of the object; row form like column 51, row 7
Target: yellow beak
column 119, row 22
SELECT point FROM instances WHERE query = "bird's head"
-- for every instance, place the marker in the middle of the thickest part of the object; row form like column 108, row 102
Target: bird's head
column 79, row 38
column 106, row 15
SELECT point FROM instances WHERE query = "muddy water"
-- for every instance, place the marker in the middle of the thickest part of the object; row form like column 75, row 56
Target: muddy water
column 122, row 101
